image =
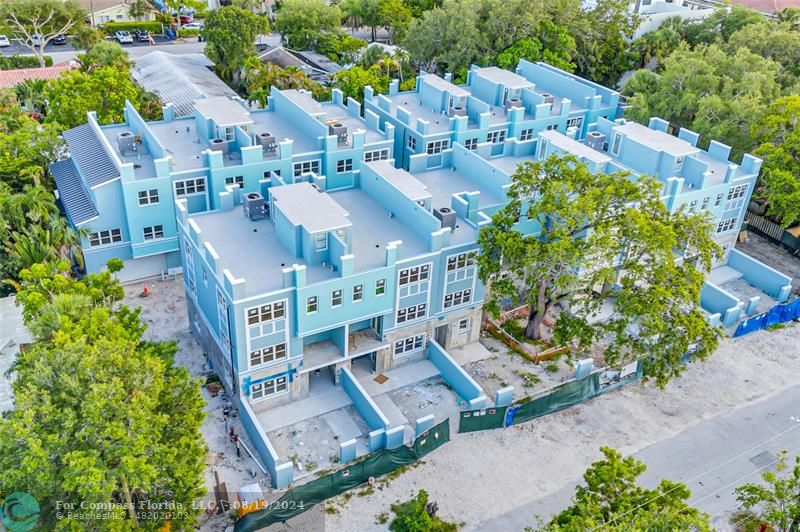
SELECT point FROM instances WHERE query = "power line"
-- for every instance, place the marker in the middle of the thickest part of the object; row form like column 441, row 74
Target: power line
column 704, row 473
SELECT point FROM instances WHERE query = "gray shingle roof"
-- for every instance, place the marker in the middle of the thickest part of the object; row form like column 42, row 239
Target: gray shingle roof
column 89, row 155
column 74, row 196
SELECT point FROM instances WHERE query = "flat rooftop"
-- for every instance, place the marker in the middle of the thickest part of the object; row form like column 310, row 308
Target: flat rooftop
column 401, row 180
column 304, row 205
column 508, row 79
column 223, row 111
column 265, row 121
column 442, row 84
column 142, row 160
column 373, row 229
column 180, row 141
column 439, row 123
column 579, row 149
column 251, row 250
column 657, row 140
column 509, row 164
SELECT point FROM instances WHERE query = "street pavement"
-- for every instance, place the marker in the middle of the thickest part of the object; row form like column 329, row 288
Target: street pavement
column 712, row 458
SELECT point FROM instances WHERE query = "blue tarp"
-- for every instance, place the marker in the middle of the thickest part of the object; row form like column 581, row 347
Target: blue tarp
column 775, row 315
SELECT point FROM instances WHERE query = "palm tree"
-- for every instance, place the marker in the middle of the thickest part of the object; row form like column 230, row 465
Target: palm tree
column 31, row 94
column 51, row 315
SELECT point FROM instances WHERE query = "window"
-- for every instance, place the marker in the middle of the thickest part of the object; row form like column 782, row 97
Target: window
column 575, row 122
column 189, row 258
column 380, row 287
column 236, row 180
column 154, row 232
column 321, row 241
column 542, row 148
column 412, row 144
column 358, row 292
column 464, row 325
column 222, row 315
column 102, row 238
column 342, row 234
column 496, row 137
column 336, row 298
column 377, row 155
column 411, row 313
column 229, row 133
column 262, row 390
column 677, row 165
column 692, row 205
column 471, row 144
column 736, row 196
column 311, row 305
column 457, row 298
column 526, row 134
column 344, row 165
column 205, row 277
column 267, row 354
column 726, row 225
column 306, row 167
column 437, row 146
column 415, row 274
column 409, row 345
column 268, row 174
column 718, row 201
column 552, row 127
column 615, row 145
column 265, row 313
column 456, row 262
column 705, row 203
column 196, row 185
column 148, row 197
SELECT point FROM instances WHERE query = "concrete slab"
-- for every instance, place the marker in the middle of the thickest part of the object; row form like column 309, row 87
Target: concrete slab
column 296, row 411
column 400, row 377
column 342, row 424
column 390, row 410
column 723, row 274
column 469, row 353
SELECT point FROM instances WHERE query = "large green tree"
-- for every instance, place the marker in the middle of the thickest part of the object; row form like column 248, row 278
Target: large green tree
column 611, row 500
column 301, row 22
column 776, row 500
column 101, row 416
column 42, row 19
column 230, row 34
column 594, row 239
column 552, row 44
column 259, row 78
column 104, row 54
column 352, row 81
column 777, row 137
column 26, row 149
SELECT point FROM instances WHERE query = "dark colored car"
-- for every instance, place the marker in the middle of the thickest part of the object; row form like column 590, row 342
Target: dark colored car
column 59, row 39
column 141, row 35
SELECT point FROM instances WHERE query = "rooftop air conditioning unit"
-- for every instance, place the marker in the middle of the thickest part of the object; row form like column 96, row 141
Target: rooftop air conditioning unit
column 220, row 145
column 126, row 142
column 595, row 140
column 513, row 102
column 255, row 208
column 548, row 98
column 457, row 110
column 340, row 130
column 447, row 216
column 267, row 141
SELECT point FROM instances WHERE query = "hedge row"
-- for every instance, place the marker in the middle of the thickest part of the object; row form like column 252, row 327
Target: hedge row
column 110, row 27
column 182, row 33
column 11, row 62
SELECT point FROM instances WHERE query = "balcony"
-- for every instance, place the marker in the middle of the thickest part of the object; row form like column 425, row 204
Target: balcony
column 363, row 342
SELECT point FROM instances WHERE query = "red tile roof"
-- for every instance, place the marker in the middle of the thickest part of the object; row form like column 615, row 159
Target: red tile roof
column 768, row 6
column 11, row 78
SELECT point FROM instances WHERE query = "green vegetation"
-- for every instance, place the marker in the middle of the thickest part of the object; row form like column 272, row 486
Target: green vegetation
column 260, row 77
column 775, row 501
column 109, row 28
column 11, row 62
column 340, row 47
column 413, row 516
column 611, row 500
column 230, row 33
column 302, row 22
column 602, row 230
column 100, row 414
column 22, row 19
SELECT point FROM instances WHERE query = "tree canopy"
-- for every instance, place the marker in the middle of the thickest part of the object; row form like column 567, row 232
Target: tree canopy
column 259, row 78
column 24, row 19
column 776, row 500
column 230, row 34
column 302, row 22
column 596, row 238
column 100, row 416
column 611, row 500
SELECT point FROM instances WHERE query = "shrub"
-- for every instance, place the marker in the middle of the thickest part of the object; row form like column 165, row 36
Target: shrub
column 12, row 62
column 184, row 34
column 153, row 27
column 412, row 516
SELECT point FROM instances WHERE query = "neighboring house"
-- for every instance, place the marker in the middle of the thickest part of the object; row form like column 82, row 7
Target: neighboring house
column 319, row 71
column 101, row 11
column 120, row 181
column 494, row 105
column 11, row 78
column 653, row 13
column 179, row 79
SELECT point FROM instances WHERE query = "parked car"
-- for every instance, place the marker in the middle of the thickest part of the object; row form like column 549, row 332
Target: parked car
column 123, row 37
column 4, row 41
column 192, row 26
column 141, row 35
column 36, row 39
column 59, row 39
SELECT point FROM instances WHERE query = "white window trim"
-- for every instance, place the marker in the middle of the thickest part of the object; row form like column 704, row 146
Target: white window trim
column 311, row 165
column 148, row 197
column 100, row 238
column 376, row 155
column 268, row 396
column 195, row 181
column 462, row 330
column 405, row 352
column 274, row 360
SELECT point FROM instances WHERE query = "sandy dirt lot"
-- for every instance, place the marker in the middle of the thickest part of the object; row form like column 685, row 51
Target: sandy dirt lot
column 481, row 475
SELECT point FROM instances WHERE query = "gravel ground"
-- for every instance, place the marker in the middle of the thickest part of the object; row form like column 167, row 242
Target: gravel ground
column 770, row 254
column 481, row 475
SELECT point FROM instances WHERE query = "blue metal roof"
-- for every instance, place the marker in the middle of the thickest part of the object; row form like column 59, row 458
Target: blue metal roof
column 74, row 196
column 89, row 155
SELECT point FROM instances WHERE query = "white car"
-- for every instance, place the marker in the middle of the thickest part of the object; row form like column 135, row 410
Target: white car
column 123, row 37
column 4, row 41
column 192, row 26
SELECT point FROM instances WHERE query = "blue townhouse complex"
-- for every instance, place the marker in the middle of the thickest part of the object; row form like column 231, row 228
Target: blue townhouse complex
column 312, row 240
column 493, row 106
column 120, row 181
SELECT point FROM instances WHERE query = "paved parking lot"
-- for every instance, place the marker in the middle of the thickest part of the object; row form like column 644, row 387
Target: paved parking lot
column 17, row 48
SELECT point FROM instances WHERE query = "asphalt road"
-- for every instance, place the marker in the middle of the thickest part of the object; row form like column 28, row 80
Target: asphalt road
column 712, row 458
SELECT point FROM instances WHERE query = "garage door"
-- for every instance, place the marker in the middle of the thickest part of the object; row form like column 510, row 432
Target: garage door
column 142, row 268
